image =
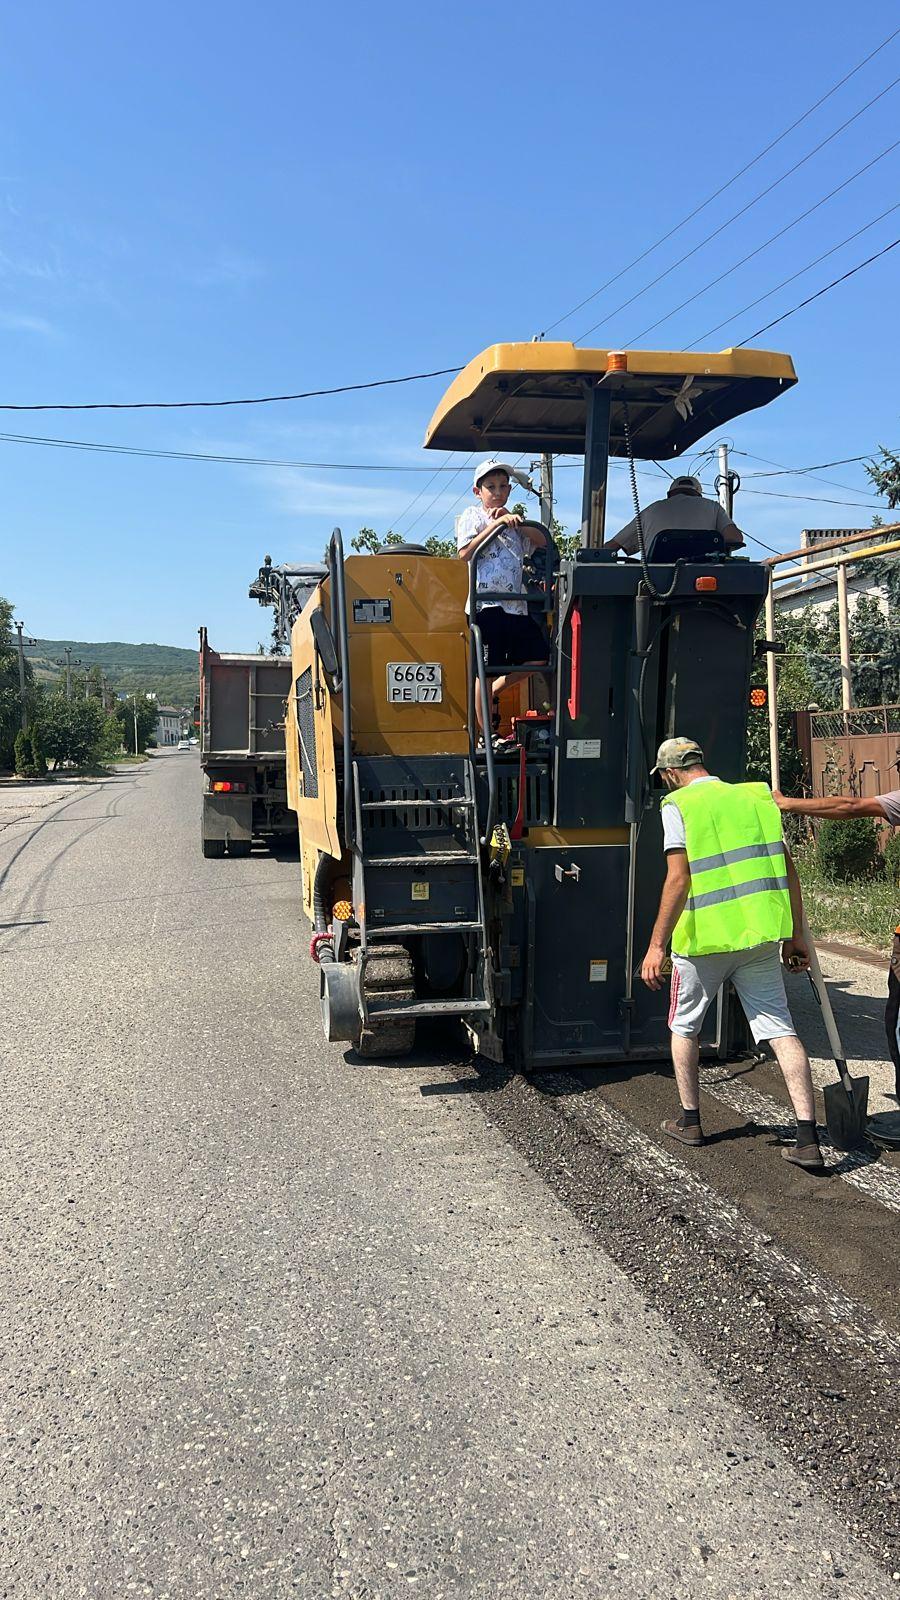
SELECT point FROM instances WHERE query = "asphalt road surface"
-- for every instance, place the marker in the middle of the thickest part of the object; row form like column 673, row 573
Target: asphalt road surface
column 278, row 1324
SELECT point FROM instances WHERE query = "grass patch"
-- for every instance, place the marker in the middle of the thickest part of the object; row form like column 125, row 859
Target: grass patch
column 864, row 909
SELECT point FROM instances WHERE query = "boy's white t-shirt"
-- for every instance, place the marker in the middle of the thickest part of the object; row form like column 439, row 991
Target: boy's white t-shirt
column 500, row 568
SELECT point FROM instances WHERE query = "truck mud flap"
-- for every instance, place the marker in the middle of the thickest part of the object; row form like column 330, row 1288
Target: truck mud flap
column 228, row 816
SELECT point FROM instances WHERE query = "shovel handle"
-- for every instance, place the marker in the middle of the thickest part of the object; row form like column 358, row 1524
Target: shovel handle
column 828, row 1017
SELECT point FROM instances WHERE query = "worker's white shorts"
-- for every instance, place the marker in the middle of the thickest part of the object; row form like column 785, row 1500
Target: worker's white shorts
column 756, row 975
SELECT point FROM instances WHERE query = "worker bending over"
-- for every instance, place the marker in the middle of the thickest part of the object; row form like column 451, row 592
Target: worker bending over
column 511, row 635
column 684, row 510
column 731, row 895
column 886, row 807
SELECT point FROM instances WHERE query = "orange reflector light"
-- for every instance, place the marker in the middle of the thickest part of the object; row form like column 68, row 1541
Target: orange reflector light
column 707, row 585
column 758, row 698
column 617, row 361
column 342, row 911
column 229, row 788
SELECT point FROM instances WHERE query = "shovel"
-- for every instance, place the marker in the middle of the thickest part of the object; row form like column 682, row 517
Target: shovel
column 846, row 1102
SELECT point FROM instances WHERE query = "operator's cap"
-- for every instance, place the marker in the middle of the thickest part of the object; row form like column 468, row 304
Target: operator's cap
column 678, row 753
column 685, row 485
column 485, row 467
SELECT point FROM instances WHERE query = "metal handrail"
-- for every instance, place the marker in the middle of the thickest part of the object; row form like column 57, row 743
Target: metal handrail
column 339, row 612
column 478, row 651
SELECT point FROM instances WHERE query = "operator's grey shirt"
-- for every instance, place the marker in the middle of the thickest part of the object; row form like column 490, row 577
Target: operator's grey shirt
column 679, row 511
column 890, row 805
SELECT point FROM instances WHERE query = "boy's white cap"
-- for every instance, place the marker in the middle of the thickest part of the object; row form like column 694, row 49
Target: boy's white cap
column 491, row 466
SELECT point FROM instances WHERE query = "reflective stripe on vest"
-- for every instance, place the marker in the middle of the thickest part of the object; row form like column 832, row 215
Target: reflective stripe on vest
column 739, row 886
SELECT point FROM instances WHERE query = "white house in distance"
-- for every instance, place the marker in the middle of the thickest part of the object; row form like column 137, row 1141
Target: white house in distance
column 819, row 589
column 168, row 725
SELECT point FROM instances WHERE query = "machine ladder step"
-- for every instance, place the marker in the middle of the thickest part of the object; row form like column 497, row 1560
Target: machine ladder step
column 429, row 1008
column 420, row 804
column 435, row 858
column 400, row 930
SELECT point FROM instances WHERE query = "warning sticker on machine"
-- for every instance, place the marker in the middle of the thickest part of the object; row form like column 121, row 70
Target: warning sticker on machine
column 582, row 749
column 371, row 611
column 421, row 891
column 598, row 971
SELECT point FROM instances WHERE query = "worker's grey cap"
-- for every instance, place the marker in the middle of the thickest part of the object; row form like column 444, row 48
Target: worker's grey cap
column 685, row 485
column 678, row 753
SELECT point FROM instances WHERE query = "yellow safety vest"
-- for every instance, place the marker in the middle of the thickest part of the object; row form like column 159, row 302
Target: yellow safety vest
column 739, row 888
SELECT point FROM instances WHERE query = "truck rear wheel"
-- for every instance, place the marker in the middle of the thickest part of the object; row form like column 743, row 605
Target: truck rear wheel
column 214, row 849
column 388, row 977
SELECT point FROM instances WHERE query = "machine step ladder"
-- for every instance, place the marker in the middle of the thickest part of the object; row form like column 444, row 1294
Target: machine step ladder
column 417, row 871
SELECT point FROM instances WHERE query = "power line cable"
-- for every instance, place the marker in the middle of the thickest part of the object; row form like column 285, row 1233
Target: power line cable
column 816, row 499
column 442, row 491
column 741, row 212
column 257, row 400
column 819, row 293
column 425, row 487
column 758, row 249
column 793, row 276
column 844, row 461
column 801, row 472
column 201, row 455
column 723, row 187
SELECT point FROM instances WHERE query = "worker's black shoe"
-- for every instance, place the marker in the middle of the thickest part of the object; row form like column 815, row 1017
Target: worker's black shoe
column 676, row 1129
column 807, row 1156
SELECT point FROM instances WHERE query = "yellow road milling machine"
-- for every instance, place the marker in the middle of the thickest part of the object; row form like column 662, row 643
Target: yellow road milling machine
column 515, row 889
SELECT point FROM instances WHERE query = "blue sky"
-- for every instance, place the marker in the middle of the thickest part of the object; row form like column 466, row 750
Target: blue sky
column 200, row 201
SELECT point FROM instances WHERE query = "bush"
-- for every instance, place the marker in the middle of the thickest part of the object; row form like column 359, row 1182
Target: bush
column 23, row 755
column 38, row 763
column 846, row 847
column 891, row 857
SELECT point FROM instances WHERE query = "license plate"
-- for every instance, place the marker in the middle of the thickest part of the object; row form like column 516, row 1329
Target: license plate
column 410, row 683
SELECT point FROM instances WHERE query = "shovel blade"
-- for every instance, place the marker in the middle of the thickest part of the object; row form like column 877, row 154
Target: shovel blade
column 846, row 1115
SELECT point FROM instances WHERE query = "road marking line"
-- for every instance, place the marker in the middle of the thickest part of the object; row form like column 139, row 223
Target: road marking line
column 815, row 1300
column 856, row 1167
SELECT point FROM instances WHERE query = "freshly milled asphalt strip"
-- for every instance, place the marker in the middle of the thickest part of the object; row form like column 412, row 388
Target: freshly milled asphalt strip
column 816, row 1300
column 813, row 1365
column 862, row 1170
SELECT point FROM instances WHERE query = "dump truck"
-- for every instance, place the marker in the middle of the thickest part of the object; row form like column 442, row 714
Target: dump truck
column 515, row 889
column 242, row 753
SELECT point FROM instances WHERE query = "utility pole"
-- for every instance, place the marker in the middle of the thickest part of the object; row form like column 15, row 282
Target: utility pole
column 22, row 643
column 68, row 664
column 546, row 495
column 727, row 482
column 844, row 635
column 134, row 709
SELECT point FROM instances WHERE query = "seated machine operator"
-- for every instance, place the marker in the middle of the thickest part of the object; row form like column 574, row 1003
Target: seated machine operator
column 683, row 510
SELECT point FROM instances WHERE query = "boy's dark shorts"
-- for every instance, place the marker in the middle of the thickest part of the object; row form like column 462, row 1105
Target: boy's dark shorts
column 510, row 638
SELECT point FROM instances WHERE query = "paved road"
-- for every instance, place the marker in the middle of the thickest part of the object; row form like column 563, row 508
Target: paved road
column 280, row 1326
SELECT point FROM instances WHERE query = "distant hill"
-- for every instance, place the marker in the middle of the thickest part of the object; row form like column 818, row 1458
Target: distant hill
column 160, row 669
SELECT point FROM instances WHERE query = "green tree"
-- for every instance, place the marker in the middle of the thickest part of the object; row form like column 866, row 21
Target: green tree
column 10, row 697
column 368, row 542
column 884, row 472
column 146, row 721
column 70, row 730
column 111, row 735
column 22, row 748
column 38, row 761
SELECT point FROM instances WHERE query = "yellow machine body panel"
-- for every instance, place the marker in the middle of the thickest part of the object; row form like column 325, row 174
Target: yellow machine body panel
column 309, row 741
column 407, row 611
